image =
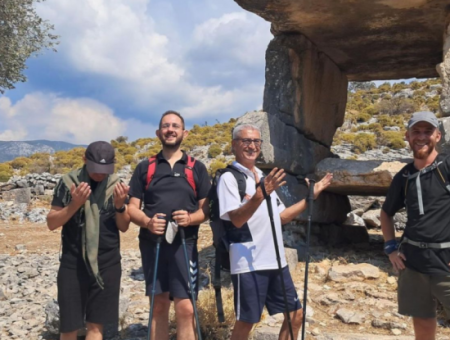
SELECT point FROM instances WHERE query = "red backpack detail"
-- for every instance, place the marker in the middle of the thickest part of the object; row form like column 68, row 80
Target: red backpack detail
column 188, row 172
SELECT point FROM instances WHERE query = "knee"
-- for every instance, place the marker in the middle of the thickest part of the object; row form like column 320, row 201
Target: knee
column 184, row 309
column 297, row 318
column 161, row 306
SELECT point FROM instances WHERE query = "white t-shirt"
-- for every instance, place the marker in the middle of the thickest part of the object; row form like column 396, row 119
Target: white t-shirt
column 258, row 254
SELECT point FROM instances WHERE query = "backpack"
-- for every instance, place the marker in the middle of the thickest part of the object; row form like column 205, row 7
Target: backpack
column 219, row 229
column 440, row 173
column 188, row 172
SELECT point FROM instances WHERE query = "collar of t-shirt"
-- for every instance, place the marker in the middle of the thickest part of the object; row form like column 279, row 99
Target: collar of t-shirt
column 247, row 171
column 160, row 157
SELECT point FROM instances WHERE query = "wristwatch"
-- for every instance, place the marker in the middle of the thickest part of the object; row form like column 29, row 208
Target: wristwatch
column 120, row 210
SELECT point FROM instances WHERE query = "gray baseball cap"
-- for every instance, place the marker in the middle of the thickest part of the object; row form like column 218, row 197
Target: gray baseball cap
column 100, row 158
column 423, row 116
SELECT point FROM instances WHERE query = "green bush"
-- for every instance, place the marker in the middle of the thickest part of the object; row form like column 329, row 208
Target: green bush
column 363, row 142
column 216, row 165
column 363, row 117
column 6, row 171
column 214, row 150
column 392, row 139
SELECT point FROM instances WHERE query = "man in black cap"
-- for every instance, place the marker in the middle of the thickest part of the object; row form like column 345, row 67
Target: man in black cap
column 90, row 205
column 173, row 187
column 422, row 257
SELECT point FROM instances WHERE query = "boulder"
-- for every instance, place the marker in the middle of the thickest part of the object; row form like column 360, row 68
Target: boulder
column 372, row 218
column 364, row 178
column 358, row 272
column 283, row 146
column 350, row 316
column 294, row 191
column 22, row 195
column 444, row 72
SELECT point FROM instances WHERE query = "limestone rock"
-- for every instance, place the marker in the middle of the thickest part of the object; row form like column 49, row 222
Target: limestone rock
column 283, row 146
column 372, row 218
column 350, row 316
column 359, row 177
column 22, row 195
column 52, row 317
column 359, row 272
column 444, row 71
column 291, row 258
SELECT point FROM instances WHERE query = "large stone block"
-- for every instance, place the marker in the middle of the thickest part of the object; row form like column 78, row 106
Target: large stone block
column 363, row 178
column 444, row 72
column 304, row 88
column 444, row 127
column 283, row 146
column 327, row 208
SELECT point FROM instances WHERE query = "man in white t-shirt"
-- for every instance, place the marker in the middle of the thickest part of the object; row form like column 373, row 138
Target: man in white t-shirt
column 254, row 268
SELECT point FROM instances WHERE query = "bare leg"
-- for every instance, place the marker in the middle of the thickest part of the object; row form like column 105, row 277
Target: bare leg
column 160, row 322
column 184, row 312
column 296, row 322
column 94, row 331
column 241, row 330
column 424, row 329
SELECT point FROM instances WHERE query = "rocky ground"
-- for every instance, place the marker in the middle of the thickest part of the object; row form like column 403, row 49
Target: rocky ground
column 352, row 291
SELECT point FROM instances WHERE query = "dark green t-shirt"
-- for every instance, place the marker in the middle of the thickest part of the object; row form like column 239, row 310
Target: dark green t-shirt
column 109, row 240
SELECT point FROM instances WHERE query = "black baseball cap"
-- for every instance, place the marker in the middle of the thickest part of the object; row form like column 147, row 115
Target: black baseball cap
column 100, row 158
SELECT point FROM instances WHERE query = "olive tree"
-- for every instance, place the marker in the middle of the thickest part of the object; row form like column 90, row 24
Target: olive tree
column 22, row 34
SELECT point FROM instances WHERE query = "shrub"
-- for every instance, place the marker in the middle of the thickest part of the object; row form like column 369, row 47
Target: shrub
column 214, row 150
column 385, row 87
column 6, row 171
column 227, row 150
column 396, row 106
column 392, row 139
column 364, row 142
column 363, row 117
column 216, row 165
column 20, row 163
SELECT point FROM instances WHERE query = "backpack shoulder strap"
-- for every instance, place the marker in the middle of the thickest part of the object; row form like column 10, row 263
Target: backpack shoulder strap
column 152, row 162
column 441, row 170
column 241, row 179
column 189, row 173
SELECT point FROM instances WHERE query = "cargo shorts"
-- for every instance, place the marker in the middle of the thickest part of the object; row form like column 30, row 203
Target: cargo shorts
column 418, row 294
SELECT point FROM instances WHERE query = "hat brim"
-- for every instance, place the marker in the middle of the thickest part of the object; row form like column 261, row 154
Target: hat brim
column 429, row 121
column 96, row 168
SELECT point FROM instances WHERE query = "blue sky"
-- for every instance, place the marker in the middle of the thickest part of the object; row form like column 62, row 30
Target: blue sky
column 122, row 63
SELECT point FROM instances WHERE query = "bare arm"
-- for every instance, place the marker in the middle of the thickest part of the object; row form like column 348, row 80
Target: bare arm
column 388, row 229
column 186, row 219
column 154, row 224
column 288, row 214
column 120, row 195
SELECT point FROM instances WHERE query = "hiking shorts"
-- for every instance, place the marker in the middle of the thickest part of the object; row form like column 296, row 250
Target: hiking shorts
column 80, row 298
column 254, row 290
column 418, row 293
column 172, row 275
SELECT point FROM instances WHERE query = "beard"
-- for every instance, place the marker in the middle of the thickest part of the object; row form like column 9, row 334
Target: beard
column 423, row 153
column 173, row 144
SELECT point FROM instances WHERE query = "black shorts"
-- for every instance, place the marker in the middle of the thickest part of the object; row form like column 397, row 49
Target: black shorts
column 80, row 299
column 254, row 290
column 172, row 275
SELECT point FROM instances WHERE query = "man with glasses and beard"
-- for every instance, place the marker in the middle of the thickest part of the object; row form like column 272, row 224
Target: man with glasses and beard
column 173, row 189
column 422, row 257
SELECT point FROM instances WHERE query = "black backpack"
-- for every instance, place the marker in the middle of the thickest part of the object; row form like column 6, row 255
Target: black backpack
column 219, row 229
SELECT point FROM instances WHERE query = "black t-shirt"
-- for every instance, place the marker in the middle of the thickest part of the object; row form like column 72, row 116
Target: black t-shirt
column 431, row 227
column 109, row 239
column 169, row 190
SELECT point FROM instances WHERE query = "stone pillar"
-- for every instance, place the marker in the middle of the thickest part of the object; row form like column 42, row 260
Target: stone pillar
column 304, row 89
column 444, row 72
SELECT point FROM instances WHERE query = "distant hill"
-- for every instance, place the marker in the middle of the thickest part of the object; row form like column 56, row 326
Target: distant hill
column 12, row 149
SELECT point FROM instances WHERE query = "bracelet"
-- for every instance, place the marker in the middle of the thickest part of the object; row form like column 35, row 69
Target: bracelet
column 120, row 210
column 390, row 246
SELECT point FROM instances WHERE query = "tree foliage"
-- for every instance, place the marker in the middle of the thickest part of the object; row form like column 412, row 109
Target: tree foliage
column 22, row 34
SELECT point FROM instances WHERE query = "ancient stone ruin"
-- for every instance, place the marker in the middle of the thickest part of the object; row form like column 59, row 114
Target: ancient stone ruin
column 318, row 47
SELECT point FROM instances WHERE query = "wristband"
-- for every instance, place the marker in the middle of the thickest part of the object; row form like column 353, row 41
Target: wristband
column 120, row 210
column 390, row 246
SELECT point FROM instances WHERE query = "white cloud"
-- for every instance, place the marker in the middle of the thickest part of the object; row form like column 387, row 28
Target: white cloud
column 77, row 120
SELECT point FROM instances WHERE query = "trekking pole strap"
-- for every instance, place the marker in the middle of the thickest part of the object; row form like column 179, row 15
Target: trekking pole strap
column 425, row 245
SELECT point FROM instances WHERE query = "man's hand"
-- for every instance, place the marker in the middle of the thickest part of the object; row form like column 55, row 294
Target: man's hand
column 157, row 225
column 120, row 194
column 273, row 180
column 182, row 217
column 322, row 184
column 80, row 194
column 397, row 259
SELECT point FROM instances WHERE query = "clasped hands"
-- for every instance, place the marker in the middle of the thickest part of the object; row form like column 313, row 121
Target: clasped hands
column 157, row 224
column 80, row 194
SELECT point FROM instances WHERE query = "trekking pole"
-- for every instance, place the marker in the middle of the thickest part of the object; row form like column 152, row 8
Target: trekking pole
column 277, row 251
column 194, row 305
column 308, row 233
column 152, row 298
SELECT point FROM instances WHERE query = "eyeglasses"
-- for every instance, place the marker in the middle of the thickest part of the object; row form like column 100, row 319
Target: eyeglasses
column 248, row 141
